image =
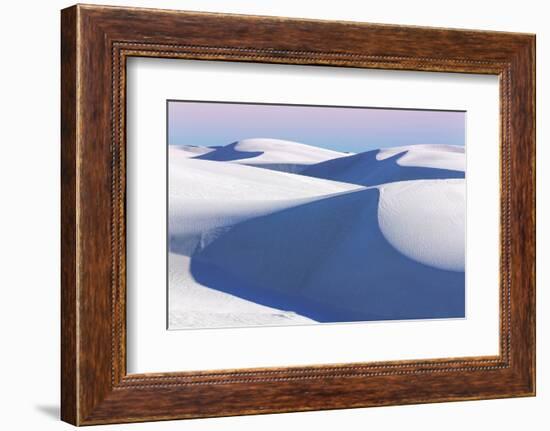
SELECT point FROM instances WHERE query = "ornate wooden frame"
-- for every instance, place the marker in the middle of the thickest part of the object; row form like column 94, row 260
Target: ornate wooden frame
column 96, row 41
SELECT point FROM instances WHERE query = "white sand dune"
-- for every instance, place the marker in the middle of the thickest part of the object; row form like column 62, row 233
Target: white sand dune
column 252, row 246
column 211, row 180
column 393, row 164
column 329, row 260
column 206, row 199
column 425, row 221
column 276, row 154
column 190, row 150
column 193, row 305
column 427, row 156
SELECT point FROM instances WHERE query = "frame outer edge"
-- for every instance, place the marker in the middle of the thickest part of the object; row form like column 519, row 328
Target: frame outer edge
column 533, row 53
column 532, row 101
column 530, row 291
column 69, row 202
column 523, row 252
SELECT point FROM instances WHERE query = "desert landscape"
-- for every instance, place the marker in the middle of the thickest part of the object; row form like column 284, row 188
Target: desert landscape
column 273, row 232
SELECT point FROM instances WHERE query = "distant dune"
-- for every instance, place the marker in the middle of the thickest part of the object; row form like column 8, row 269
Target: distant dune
column 376, row 167
column 370, row 236
column 449, row 157
column 275, row 154
column 190, row 150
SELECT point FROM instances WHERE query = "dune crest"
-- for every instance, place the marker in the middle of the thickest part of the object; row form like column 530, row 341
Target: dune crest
column 376, row 167
column 267, row 153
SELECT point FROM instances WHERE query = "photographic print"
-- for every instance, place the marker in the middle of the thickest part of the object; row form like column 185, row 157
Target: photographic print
column 285, row 214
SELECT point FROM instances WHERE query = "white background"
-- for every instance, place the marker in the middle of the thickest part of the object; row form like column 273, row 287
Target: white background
column 29, row 229
column 152, row 349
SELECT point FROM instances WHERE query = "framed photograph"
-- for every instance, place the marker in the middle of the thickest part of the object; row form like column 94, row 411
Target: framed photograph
column 264, row 214
column 342, row 224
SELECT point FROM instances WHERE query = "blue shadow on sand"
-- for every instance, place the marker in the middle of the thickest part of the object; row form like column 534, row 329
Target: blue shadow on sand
column 328, row 260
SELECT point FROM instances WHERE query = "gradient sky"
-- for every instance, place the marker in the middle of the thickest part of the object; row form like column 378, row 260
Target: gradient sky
column 341, row 129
